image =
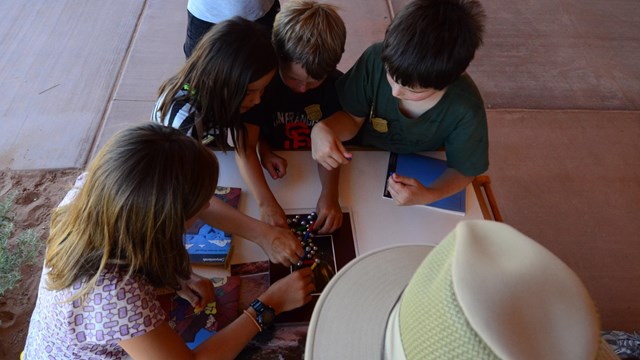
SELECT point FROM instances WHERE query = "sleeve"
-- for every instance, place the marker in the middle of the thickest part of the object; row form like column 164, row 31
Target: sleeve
column 155, row 114
column 123, row 312
column 73, row 192
column 181, row 114
column 331, row 100
column 256, row 114
column 355, row 88
column 467, row 147
column 146, row 312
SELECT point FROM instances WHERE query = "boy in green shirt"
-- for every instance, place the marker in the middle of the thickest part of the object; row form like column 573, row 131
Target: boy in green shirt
column 410, row 93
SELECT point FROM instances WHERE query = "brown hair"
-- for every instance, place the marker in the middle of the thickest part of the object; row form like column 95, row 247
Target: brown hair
column 311, row 34
column 230, row 56
column 139, row 191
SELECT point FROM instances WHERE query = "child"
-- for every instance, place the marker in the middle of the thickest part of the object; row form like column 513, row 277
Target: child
column 202, row 15
column 309, row 39
column 119, row 240
column 411, row 94
column 225, row 77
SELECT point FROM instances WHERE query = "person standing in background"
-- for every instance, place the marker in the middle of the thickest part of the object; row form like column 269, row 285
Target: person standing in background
column 203, row 14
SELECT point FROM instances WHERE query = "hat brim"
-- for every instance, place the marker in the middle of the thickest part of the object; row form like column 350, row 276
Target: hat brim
column 350, row 317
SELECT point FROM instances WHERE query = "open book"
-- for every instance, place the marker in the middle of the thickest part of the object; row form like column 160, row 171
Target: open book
column 425, row 169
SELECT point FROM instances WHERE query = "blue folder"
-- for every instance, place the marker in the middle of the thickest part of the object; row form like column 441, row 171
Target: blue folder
column 426, row 170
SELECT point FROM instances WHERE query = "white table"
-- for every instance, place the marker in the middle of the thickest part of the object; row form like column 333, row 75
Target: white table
column 377, row 221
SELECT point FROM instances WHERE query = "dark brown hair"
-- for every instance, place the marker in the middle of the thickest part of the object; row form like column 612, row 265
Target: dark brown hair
column 430, row 43
column 233, row 54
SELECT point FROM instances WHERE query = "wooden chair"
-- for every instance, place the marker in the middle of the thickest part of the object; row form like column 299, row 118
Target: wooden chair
column 488, row 204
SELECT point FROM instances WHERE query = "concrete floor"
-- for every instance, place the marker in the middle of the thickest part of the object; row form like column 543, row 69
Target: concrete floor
column 559, row 78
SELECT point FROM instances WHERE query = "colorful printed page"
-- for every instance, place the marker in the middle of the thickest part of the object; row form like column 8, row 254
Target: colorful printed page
column 196, row 325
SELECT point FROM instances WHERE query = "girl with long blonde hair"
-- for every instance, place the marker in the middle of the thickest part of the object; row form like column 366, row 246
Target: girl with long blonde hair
column 119, row 239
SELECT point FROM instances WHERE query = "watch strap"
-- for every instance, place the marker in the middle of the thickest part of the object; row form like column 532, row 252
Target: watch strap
column 259, row 307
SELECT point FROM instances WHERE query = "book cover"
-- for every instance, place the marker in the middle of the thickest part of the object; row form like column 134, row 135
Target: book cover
column 208, row 245
column 196, row 325
column 425, row 169
column 326, row 254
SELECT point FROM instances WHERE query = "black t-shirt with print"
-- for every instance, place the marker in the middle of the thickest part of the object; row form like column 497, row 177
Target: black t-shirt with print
column 286, row 117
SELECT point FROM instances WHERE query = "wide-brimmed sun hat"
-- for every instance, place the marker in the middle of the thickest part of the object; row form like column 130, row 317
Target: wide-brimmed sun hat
column 485, row 292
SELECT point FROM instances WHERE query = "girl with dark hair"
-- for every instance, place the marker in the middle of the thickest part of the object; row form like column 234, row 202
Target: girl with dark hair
column 223, row 78
column 117, row 237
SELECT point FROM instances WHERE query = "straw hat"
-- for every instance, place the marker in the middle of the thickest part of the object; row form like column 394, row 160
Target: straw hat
column 486, row 292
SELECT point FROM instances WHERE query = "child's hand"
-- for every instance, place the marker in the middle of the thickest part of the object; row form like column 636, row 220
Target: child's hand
column 274, row 164
column 327, row 149
column 197, row 290
column 408, row 191
column 282, row 246
column 290, row 292
column 329, row 215
column 273, row 214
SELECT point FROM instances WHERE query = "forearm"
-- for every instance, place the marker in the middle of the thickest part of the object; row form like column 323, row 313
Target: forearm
column 228, row 342
column 225, row 217
column 264, row 148
column 343, row 125
column 328, row 206
column 253, row 175
column 449, row 183
column 330, row 181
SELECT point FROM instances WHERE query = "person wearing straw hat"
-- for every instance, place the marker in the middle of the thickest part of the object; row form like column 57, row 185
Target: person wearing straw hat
column 485, row 292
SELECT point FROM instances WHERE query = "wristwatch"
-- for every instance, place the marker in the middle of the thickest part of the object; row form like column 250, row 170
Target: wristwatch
column 264, row 313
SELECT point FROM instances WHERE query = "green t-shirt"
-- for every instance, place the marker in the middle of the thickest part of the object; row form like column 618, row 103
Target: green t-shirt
column 458, row 121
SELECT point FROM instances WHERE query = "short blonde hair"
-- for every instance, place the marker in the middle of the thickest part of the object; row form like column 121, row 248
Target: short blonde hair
column 310, row 34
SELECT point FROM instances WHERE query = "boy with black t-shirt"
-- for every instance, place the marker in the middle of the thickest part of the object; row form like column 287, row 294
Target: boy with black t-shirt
column 309, row 39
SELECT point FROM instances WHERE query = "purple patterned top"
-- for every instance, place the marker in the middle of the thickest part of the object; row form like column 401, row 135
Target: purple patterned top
column 90, row 328
column 115, row 310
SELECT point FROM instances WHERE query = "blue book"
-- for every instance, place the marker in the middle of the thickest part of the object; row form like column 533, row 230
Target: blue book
column 208, row 245
column 426, row 170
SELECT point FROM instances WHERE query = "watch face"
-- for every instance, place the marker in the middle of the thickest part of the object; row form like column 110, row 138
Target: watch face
column 267, row 316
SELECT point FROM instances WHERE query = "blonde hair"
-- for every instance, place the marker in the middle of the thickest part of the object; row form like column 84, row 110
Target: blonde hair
column 140, row 189
column 310, row 34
